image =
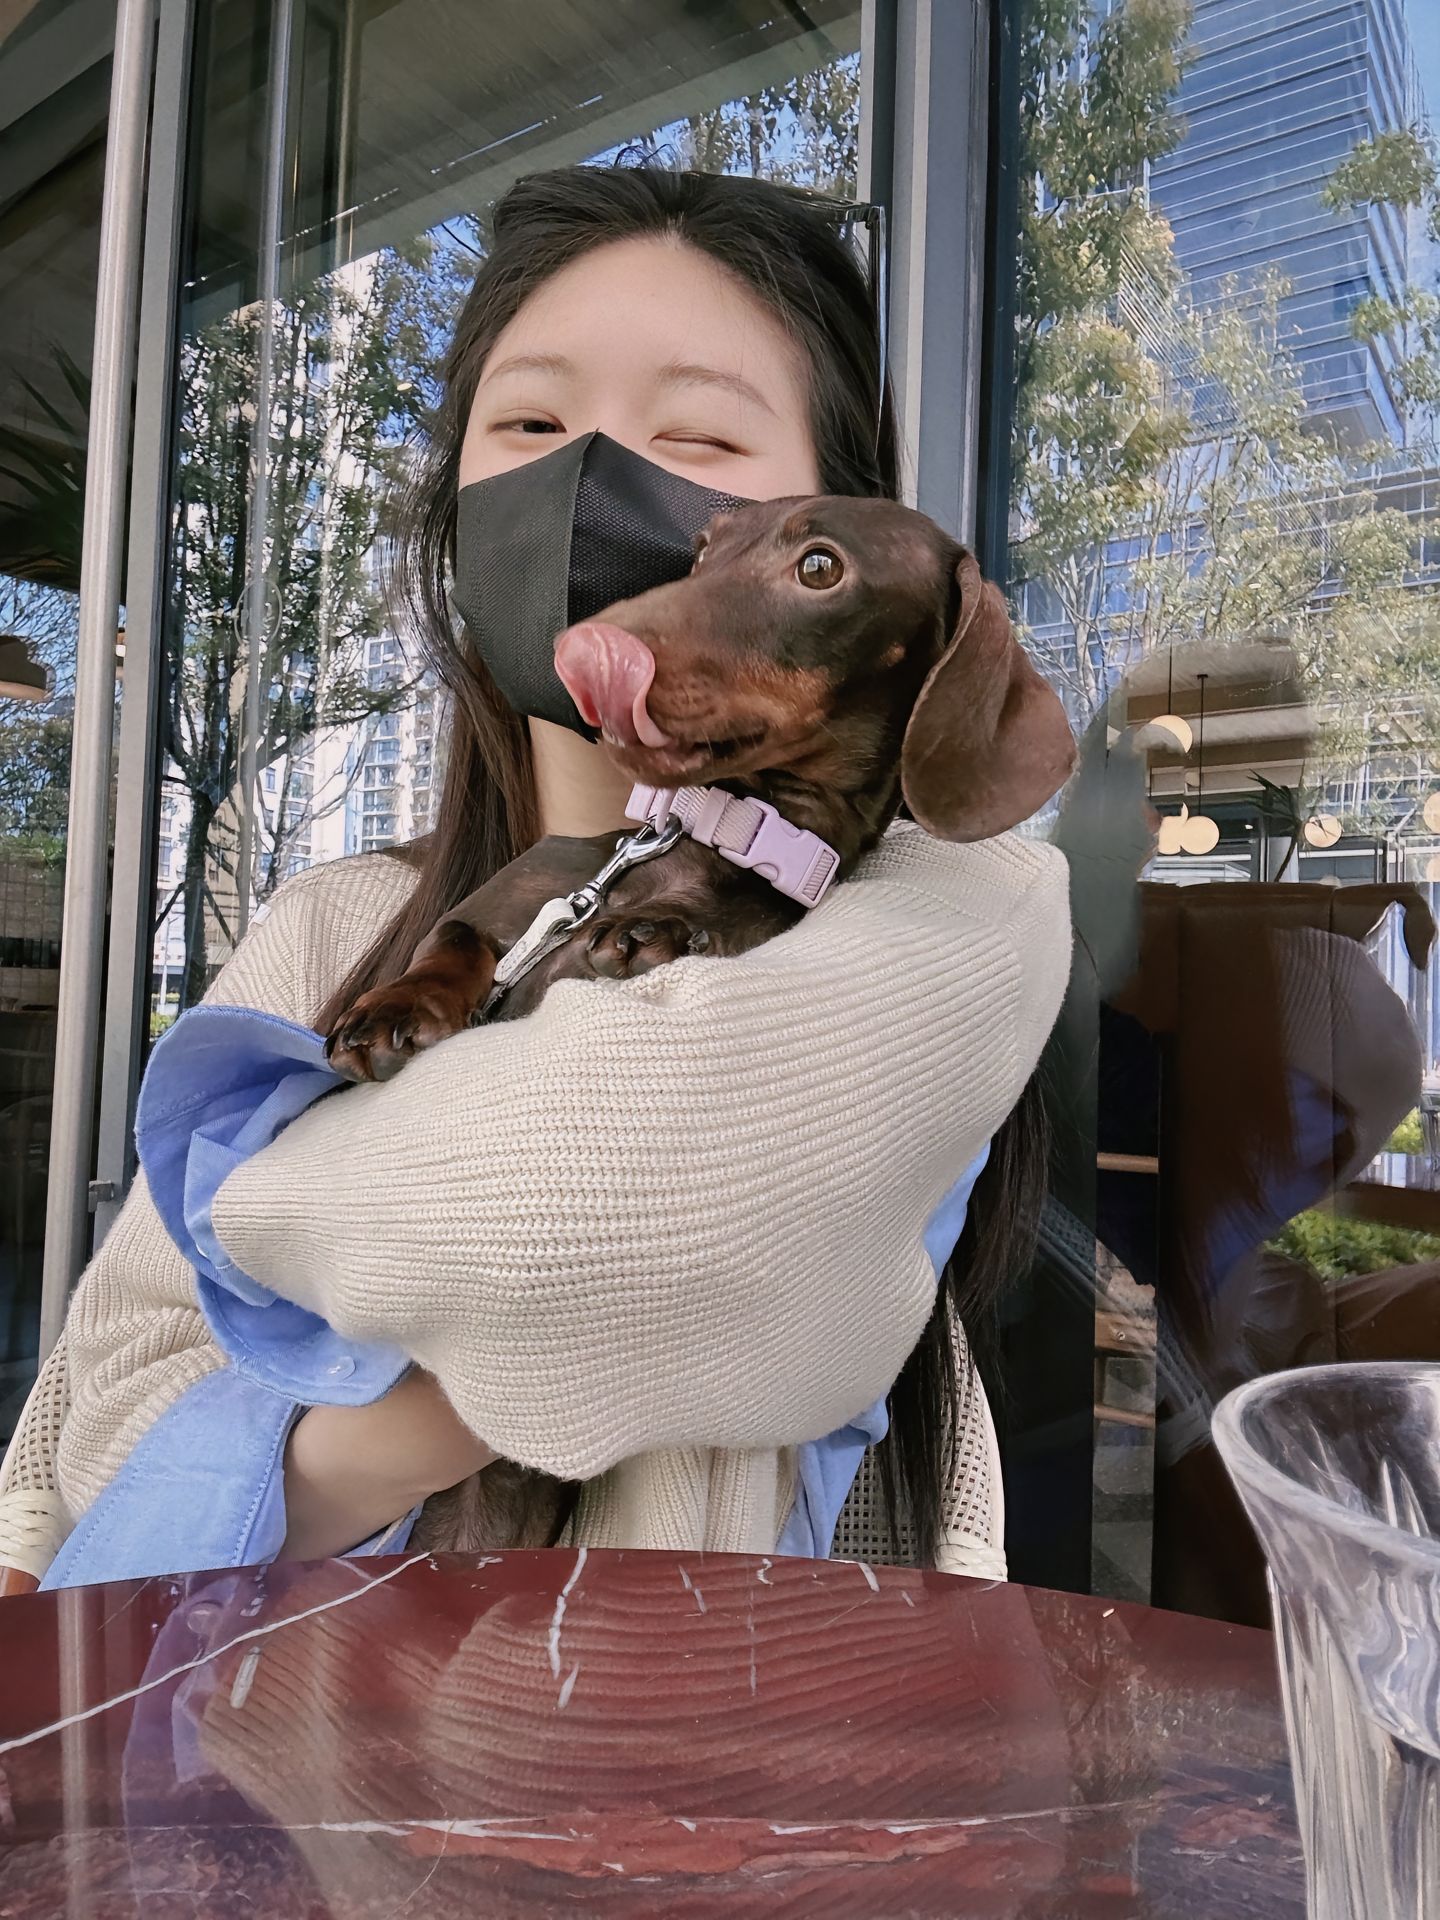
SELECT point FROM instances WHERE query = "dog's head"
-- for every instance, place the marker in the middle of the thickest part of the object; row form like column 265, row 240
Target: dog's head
column 845, row 644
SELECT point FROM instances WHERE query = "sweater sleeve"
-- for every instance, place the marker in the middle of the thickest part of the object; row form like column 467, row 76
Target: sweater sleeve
column 134, row 1338
column 686, row 1209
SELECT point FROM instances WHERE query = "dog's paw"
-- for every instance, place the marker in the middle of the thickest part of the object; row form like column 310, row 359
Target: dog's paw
column 385, row 1028
column 618, row 949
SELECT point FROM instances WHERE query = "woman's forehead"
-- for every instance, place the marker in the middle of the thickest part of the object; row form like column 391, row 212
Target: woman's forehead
column 658, row 308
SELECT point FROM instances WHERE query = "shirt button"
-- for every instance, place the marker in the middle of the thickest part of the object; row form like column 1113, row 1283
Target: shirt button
column 342, row 1368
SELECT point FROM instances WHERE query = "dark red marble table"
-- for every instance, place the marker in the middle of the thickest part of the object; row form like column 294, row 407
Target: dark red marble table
column 622, row 1733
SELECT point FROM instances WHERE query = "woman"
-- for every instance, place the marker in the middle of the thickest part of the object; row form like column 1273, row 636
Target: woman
column 656, row 1238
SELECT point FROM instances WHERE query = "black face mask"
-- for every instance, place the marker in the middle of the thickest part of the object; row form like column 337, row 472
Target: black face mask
column 559, row 540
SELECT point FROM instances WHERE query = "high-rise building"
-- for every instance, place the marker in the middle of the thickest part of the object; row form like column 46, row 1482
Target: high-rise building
column 1275, row 95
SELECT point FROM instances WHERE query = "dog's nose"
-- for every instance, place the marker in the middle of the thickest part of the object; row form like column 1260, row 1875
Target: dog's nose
column 608, row 673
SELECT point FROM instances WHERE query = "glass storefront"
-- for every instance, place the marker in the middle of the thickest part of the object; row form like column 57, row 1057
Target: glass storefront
column 324, row 313
column 55, row 60
column 1218, row 510
column 340, row 165
column 1197, row 319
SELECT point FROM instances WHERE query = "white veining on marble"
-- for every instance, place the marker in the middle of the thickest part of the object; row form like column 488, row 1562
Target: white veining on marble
column 694, row 1591
column 503, row 1829
column 763, row 1573
column 869, row 1573
column 562, row 1601
column 143, row 1587
column 244, row 1679
column 908, row 1598
column 435, row 1866
column 204, row 1659
column 459, row 1829
column 568, row 1688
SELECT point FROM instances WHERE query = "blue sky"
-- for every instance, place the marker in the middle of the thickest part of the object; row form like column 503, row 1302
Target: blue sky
column 1423, row 17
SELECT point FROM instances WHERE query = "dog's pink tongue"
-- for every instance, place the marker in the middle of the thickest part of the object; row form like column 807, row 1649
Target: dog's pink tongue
column 607, row 673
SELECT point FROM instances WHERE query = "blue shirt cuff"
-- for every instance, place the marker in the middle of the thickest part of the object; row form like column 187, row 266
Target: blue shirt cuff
column 204, row 1488
column 221, row 1085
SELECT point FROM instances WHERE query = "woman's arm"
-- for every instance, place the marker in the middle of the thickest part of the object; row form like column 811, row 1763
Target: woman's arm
column 135, row 1340
column 687, row 1208
column 349, row 1471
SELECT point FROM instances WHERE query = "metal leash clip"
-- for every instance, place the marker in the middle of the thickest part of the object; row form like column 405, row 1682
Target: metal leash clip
column 558, row 919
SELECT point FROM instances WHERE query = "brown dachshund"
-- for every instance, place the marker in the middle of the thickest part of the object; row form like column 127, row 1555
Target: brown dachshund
column 833, row 656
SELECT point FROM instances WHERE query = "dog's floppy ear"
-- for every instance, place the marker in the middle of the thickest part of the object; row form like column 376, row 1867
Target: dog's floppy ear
column 988, row 742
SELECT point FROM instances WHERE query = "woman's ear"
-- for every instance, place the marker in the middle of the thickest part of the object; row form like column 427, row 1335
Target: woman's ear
column 988, row 742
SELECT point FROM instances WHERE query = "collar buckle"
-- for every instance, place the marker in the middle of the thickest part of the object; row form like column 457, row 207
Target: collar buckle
column 747, row 832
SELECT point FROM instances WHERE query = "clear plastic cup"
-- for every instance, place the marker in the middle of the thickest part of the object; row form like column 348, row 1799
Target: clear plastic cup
column 1339, row 1469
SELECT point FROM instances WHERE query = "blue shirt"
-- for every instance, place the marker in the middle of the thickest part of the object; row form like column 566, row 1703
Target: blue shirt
column 203, row 1488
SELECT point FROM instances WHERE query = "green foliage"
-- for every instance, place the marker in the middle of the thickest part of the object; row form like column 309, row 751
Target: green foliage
column 35, row 738
column 1408, row 1137
column 803, row 133
column 351, row 364
column 1336, row 1247
column 1168, row 485
column 1096, row 103
column 34, row 779
column 1397, row 168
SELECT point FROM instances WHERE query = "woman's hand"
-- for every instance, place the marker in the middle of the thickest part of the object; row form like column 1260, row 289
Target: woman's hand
column 349, row 1471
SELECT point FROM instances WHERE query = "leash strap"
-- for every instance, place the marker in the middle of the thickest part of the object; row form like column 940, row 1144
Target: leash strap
column 558, row 919
column 748, row 832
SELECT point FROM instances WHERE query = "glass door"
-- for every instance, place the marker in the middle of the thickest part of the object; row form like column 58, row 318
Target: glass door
column 55, row 60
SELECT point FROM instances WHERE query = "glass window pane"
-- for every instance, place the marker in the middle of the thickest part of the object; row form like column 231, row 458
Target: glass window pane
column 400, row 133
column 1223, row 480
column 54, row 98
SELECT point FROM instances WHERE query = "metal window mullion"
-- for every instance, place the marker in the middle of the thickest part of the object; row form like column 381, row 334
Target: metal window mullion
column 938, row 163
column 132, row 931
column 88, row 839
column 258, row 564
column 876, row 174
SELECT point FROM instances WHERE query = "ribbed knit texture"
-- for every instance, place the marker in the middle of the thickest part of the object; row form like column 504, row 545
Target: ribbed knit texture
column 649, row 1235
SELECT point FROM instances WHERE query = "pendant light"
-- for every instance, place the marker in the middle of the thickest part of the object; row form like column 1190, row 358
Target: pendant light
column 1200, row 834
column 1170, row 723
column 20, row 677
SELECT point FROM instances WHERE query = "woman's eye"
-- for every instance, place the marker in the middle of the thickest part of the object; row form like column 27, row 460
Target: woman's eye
column 529, row 423
column 820, row 568
column 709, row 440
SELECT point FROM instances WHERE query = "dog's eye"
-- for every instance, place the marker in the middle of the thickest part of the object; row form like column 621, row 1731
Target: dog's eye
column 702, row 543
column 820, row 568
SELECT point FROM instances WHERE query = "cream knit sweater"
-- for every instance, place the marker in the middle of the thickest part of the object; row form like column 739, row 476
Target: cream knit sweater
column 650, row 1237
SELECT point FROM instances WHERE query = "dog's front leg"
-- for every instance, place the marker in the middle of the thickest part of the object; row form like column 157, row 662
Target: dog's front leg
column 449, row 978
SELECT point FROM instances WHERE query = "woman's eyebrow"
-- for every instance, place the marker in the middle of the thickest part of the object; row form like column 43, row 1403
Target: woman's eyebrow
column 528, row 363
column 687, row 373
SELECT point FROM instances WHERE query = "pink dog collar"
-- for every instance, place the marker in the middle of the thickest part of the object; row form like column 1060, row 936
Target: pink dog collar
column 749, row 833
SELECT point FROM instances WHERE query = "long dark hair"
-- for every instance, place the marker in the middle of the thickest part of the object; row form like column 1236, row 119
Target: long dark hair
column 787, row 250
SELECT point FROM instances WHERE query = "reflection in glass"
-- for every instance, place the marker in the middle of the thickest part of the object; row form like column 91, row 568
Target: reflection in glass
column 401, row 130
column 1226, row 341
column 54, row 92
